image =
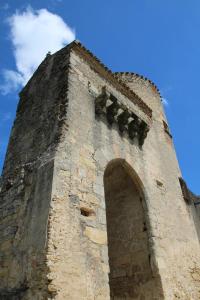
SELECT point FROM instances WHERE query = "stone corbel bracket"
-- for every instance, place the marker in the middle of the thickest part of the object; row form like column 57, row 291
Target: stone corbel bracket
column 108, row 105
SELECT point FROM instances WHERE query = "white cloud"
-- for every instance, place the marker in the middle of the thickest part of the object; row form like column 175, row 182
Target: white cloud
column 12, row 80
column 6, row 116
column 165, row 102
column 4, row 6
column 33, row 34
column 166, row 91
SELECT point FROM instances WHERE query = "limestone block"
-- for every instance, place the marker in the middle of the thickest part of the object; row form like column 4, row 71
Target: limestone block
column 96, row 235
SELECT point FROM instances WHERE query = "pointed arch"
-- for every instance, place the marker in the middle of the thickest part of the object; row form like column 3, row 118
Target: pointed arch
column 130, row 274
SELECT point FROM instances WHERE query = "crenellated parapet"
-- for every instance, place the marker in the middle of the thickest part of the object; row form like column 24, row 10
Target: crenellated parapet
column 108, row 105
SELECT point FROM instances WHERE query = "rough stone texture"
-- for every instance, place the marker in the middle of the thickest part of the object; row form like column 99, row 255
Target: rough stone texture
column 195, row 211
column 129, row 254
column 71, row 179
column 27, row 182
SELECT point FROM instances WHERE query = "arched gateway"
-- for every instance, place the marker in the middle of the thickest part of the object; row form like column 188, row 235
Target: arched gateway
column 129, row 254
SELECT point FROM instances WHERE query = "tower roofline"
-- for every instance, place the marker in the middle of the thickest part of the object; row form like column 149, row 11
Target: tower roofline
column 110, row 76
column 141, row 77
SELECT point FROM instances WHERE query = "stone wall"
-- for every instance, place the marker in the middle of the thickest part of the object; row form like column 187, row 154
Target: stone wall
column 194, row 209
column 27, row 181
column 78, row 184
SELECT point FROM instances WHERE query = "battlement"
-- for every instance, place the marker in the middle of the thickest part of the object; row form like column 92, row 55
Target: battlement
column 129, row 77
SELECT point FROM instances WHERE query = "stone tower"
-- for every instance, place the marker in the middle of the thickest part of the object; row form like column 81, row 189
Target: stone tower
column 93, row 206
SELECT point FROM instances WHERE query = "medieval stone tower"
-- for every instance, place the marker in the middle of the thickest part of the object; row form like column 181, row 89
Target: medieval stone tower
column 91, row 201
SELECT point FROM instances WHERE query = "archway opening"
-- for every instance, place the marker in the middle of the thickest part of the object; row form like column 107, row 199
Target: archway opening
column 130, row 274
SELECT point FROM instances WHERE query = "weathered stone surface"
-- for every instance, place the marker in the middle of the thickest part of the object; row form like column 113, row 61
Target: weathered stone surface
column 71, row 178
column 96, row 235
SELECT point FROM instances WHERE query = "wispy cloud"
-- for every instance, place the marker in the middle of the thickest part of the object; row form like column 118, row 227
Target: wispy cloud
column 5, row 6
column 165, row 91
column 33, row 34
column 12, row 80
column 6, row 116
column 165, row 101
column 57, row 1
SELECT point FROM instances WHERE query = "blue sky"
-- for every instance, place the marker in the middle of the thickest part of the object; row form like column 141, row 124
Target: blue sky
column 156, row 38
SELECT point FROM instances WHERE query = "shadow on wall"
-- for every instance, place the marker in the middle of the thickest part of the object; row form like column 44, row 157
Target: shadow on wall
column 128, row 243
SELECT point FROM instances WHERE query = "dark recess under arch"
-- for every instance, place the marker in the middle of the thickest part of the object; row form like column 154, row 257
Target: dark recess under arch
column 128, row 247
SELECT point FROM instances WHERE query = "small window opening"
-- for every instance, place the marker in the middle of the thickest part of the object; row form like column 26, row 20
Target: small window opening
column 144, row 227
column 87, row 212
column 159, row 183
